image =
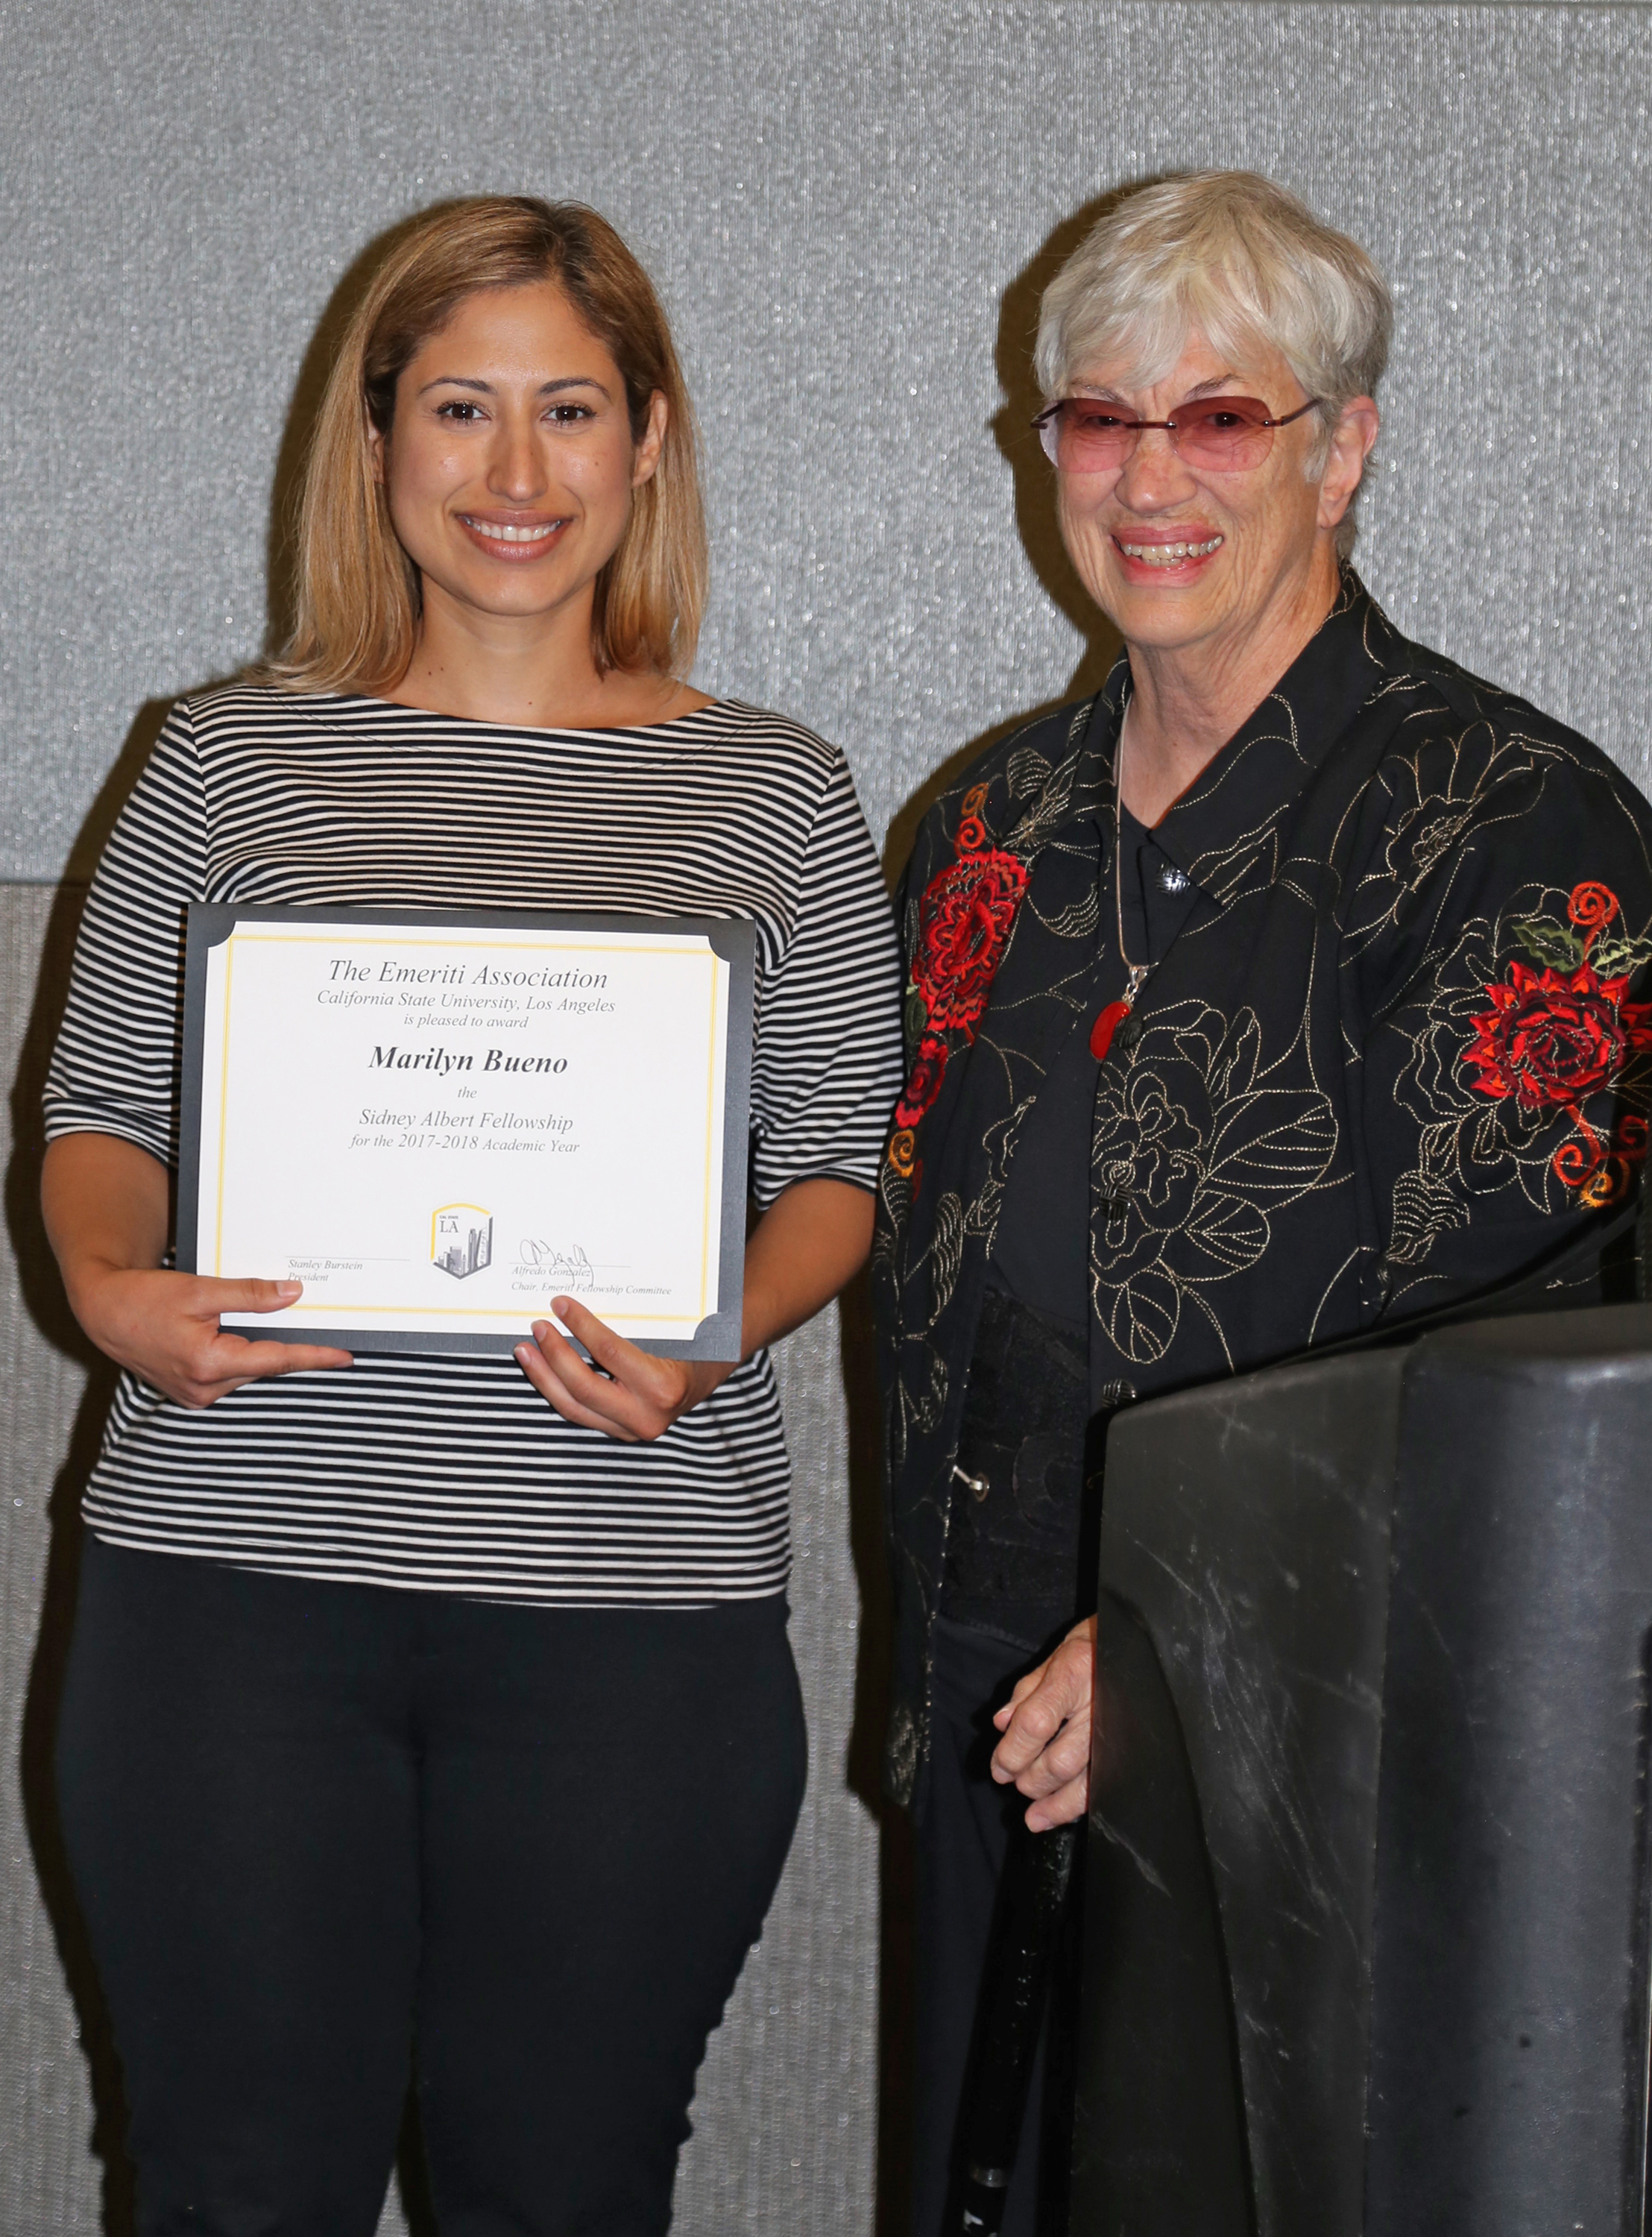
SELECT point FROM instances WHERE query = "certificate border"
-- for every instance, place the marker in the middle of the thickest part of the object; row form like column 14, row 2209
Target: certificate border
column 734, row 939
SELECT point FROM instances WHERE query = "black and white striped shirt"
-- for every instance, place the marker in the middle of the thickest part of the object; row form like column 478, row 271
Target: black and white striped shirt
column 452, row 1473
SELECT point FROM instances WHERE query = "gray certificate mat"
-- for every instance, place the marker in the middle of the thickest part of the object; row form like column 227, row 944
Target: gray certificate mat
column 440, row 1120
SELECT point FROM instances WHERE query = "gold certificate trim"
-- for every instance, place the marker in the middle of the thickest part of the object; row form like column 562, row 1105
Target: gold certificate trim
column 701, row 954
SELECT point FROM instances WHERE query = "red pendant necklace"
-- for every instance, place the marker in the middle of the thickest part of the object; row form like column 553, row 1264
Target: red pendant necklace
column 1112, row 1015
column 1107, row 1022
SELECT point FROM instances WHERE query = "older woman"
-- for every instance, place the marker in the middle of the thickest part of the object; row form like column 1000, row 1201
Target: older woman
column 1279, row 990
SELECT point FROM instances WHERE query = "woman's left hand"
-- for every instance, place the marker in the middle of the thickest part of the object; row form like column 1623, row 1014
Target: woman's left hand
column 801, row 1252
column 1045, row 1723
column 626, row 1393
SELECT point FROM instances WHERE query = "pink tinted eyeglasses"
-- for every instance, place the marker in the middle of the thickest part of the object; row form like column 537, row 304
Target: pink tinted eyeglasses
column 1088, row 435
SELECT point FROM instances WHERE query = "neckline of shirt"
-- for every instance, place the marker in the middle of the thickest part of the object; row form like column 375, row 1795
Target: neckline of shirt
column 320, row 701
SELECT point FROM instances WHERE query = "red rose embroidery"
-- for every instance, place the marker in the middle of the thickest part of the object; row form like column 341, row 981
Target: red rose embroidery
column 1552, row 1039
column 929, row 1070
column 964, row 919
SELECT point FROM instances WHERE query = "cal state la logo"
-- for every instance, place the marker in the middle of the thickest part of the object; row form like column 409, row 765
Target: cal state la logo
column 461, row 1239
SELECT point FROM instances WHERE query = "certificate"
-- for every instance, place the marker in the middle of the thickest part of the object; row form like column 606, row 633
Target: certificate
column 440, row 1120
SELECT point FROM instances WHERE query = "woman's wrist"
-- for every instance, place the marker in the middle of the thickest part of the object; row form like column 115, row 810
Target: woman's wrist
column 91, row 1262
column 93, row 1286
column 756, row 1319
column 107, row 1213
column 808, row 1243
column 85, row 1274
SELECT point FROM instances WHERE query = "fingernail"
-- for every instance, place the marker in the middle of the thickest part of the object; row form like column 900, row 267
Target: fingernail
column 541, row 1328
column 288, row 1289
column 559, row 1306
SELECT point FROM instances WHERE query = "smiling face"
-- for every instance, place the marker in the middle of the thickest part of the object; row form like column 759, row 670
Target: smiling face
column 510, row 464
column 1195, row 561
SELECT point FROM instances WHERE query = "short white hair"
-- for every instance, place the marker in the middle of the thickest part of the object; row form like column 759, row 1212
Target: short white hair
column 1230, row 255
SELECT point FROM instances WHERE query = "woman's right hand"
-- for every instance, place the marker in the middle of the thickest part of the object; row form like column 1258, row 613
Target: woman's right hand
column 106, row 1204
column 164, row 1327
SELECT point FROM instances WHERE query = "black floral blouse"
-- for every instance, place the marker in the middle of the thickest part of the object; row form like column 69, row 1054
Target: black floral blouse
column 1389, row 1059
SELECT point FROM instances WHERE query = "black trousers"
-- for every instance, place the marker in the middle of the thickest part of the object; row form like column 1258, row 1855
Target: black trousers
column 332, row 1838
column 963, row 1830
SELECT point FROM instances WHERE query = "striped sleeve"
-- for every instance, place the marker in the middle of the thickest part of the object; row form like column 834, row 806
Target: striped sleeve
column 116, row 1066
column 826, row 1065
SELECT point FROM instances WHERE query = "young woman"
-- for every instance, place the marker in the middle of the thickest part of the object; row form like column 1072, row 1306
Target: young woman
column 434, row 1716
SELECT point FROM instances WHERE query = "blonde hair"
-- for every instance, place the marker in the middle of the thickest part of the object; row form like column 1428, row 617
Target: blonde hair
column 1237, row 259
column 357, row 595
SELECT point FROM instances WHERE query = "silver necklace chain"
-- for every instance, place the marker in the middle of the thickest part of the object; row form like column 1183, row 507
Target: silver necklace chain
column 1136, row 975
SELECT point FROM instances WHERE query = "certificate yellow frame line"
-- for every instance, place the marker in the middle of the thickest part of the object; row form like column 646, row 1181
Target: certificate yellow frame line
column 704, row 953
column 459, row 1313
column 223, row 1109
column 574, row 946
column 711, row 1107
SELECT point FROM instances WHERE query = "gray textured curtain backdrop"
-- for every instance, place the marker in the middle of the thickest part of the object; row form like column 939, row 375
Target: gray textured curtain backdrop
column 850, row 211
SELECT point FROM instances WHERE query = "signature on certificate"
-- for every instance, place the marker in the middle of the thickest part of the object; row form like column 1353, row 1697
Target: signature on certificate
column 566, row 1263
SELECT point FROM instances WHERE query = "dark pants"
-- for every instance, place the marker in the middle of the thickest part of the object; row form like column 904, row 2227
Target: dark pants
column 332, row 1838
column 964, row 1827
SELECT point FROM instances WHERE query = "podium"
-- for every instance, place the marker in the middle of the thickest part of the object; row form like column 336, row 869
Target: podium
column 1368, row 1879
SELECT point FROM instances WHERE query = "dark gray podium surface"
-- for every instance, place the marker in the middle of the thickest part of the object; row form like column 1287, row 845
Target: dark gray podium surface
column 1366, row 1886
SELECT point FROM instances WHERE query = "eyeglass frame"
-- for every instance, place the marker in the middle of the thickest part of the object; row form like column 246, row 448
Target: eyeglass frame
column 1139, row 427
